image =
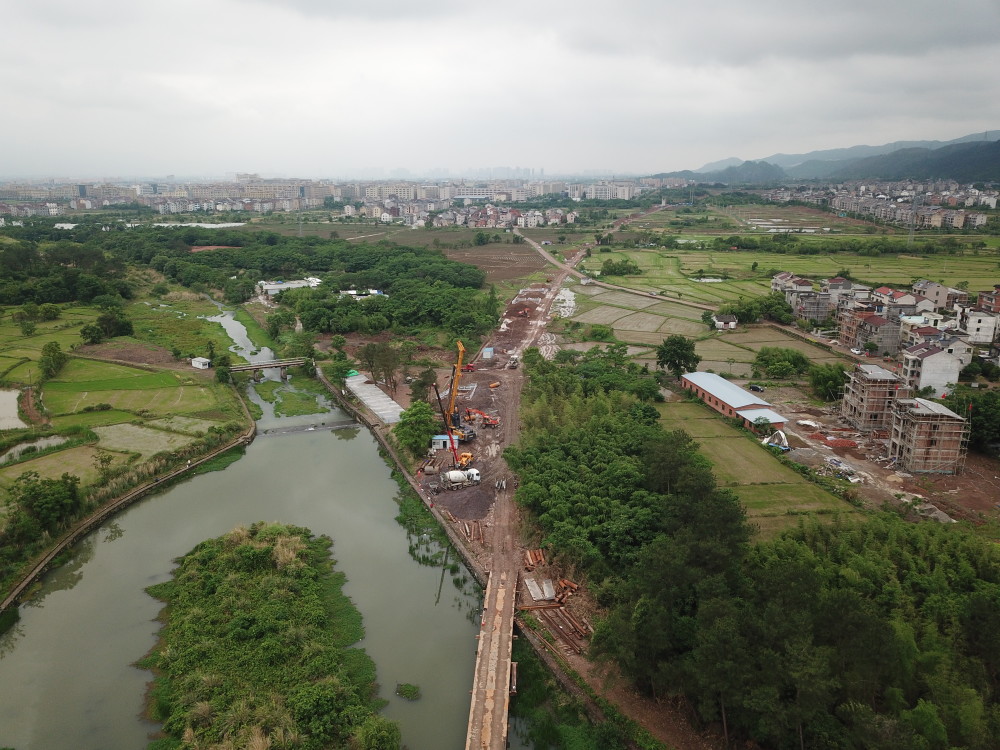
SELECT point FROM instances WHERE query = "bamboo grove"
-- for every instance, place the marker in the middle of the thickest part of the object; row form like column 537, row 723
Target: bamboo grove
column 848, row 635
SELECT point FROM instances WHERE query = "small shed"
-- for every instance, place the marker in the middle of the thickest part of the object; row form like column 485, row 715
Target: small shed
column 725, row 322
column 488, row 352
column 439, row 442
column 201, row 363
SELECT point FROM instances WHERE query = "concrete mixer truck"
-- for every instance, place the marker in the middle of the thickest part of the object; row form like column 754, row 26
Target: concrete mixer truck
column 458, row 478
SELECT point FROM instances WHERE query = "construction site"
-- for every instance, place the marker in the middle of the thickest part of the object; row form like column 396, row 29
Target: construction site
column 868, row 397
column 922, row 437
column 927, row 437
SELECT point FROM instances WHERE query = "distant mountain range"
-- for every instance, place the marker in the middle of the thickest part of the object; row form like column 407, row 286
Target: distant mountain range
column 971, row 158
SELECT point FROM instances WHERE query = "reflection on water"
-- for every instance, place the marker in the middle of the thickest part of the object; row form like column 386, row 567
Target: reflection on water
column 91, row 619
column 347, row 433
column 18, row 450
column 112, row 530
column 68, row 574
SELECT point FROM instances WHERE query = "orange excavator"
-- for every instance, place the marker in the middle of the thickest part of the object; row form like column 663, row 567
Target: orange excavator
column 488, row 419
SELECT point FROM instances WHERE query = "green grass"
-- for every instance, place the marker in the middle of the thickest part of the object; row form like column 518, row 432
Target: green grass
column 139, row 382
column 293, row 404
column 159, row 401
column 90, row 419
column 775, row 495
column 180, row 325
column 255, row 332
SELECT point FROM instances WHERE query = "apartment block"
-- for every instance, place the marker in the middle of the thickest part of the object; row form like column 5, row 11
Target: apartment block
column 927, row 437
column 868, row 396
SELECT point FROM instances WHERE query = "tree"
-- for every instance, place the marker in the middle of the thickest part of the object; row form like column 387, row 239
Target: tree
column 779, row 362
column 415, row 428
column 92, row 334
column 52, row 360
column 28, row 327
column 827, row 381
column 677, row 354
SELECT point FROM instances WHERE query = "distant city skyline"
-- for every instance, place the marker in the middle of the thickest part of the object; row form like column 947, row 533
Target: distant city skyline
column 316, row 89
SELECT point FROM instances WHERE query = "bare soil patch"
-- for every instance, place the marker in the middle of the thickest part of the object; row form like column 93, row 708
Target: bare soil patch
column 134, row 352
column 500, row 262
column 973, row 495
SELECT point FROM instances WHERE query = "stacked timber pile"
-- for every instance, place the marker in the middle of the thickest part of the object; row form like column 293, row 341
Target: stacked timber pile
column 533, row 558
column 549, row 605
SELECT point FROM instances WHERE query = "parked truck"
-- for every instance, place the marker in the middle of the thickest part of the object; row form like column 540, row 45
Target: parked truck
column 458, row 478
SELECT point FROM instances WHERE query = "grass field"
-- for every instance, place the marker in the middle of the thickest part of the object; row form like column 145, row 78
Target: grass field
column 78, row 461
column 774, row 495
column 146, row 441
column 748, row 273
column 179, row 324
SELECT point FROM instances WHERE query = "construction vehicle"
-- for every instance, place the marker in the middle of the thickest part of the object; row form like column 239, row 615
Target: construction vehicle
column 456, row 478
column 488, row 420
column 468, row 368
column 464, row 433
column 453, row 420
column 464, row 459
column 513, row 362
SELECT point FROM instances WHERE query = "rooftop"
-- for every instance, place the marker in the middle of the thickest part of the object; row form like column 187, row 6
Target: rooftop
column 723, row 390
column 771, row 416
column 874, row 372
column 923, row 407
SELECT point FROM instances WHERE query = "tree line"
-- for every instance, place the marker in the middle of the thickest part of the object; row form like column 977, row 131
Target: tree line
column 871, row 634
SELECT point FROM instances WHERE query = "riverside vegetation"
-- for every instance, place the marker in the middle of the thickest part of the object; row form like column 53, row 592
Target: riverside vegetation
column 255, row 649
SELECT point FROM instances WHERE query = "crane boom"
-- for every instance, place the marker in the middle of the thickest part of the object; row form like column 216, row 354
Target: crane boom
column 456, row 375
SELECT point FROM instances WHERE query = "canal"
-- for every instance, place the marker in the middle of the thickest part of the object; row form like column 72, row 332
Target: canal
column 66, row 674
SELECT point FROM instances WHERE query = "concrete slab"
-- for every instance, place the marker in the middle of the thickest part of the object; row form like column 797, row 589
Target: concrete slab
column 384, row 407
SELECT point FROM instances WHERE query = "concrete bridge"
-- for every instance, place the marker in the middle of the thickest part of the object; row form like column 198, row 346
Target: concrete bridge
column 284, row 364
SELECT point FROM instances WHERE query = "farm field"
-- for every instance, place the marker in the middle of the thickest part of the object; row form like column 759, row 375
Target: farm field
column 132, row 438
column 79, row 461
column 120, row 400
column 775, row 496
column 646, row 321
column 673, row 271
column 19, row 354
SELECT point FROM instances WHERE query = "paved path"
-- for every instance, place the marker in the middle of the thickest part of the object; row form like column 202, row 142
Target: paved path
column 569, row 269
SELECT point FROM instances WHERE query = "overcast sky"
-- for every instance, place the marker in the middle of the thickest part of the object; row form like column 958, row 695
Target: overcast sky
column 328, row 88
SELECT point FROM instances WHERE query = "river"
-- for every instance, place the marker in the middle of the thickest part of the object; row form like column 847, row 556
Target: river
column 66, row 674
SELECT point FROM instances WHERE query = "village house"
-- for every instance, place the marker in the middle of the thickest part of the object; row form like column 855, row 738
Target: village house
column 930, row 366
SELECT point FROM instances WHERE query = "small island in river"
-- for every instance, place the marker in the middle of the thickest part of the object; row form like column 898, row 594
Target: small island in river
column 255, row 650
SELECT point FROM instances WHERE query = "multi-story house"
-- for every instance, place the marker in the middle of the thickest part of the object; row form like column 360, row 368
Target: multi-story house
column 880, row 331
column 941, row 296
column 929, row 366
column 978, row 325
column 868, row 396
column 927, row 437
column 989, row 300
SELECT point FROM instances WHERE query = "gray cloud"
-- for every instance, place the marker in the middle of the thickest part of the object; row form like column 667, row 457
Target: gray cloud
column 322, row 88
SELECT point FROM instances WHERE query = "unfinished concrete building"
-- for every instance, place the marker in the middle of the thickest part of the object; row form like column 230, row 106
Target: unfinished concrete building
column 868, row 396
column 927, row 437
